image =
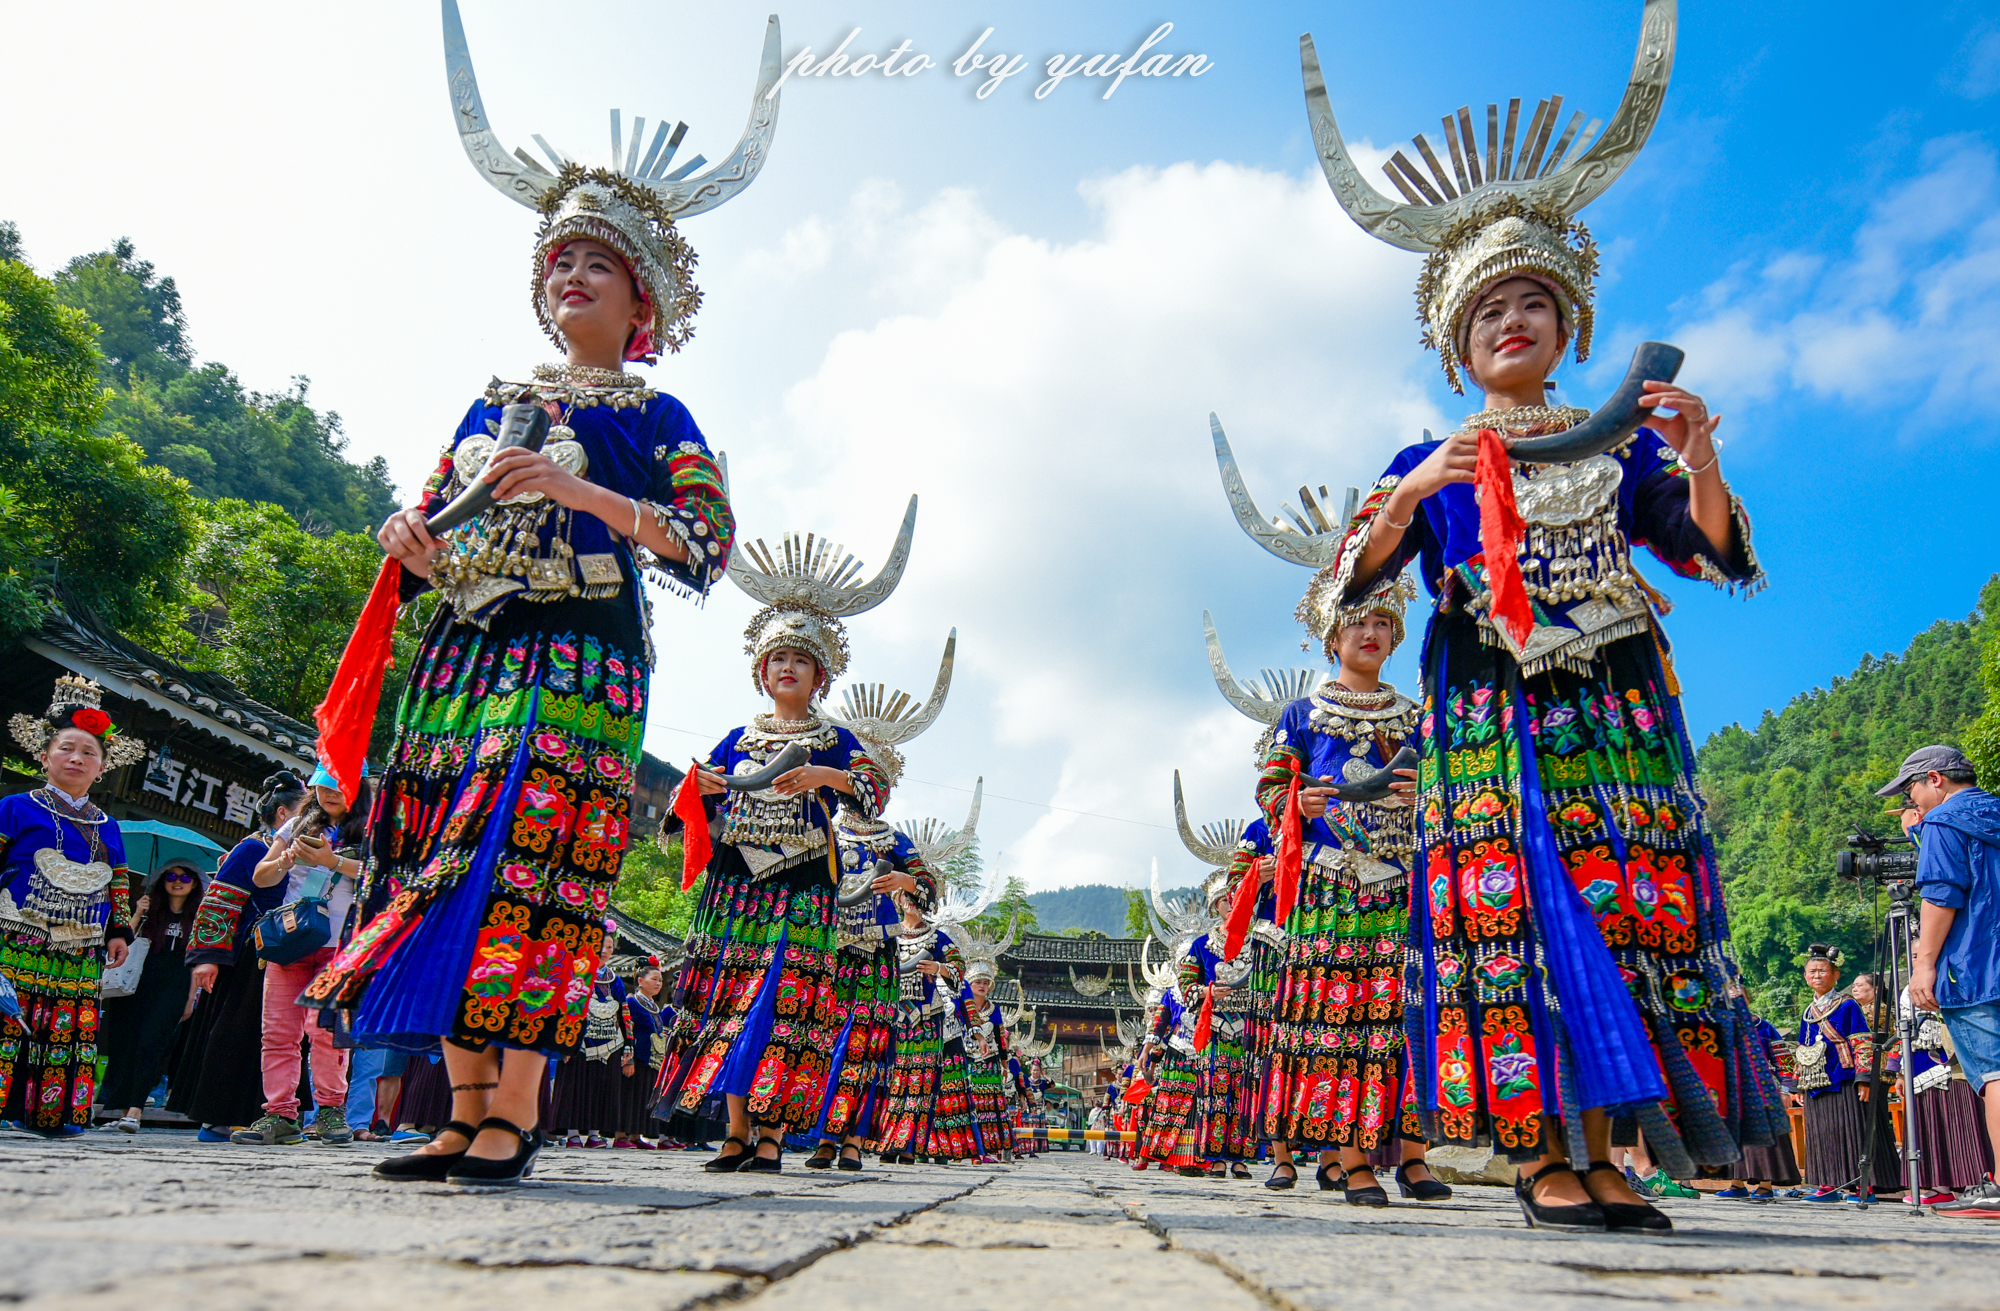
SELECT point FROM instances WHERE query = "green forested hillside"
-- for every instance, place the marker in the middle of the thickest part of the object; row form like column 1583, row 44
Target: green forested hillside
column 1783, row 796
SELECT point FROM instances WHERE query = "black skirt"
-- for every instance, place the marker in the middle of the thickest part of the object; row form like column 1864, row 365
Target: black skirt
column 1951, row 1130
column 220, row 1079
column 1837, row 1134
column 426, row 1098
column 588, row 1096
column 136, row 1031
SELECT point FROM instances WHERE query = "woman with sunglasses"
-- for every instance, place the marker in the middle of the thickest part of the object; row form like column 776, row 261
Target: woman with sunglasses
column 138, row 1029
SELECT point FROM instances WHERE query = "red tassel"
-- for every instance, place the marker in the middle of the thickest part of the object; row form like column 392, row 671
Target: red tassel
column 1291, row 852
column 347, row 716
column 1243, row 910
column 694, row 825
column 1138, row 1092
column 1500, row 531
column 1204, row 1021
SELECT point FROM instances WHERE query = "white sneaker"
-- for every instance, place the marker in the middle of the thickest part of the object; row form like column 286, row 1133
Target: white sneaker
column 128, row 1124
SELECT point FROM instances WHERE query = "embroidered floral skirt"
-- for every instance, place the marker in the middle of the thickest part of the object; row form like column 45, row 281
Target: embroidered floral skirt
column 866, row 988
column 1166, row 1135
column 951, row 1136
column 904, row 1126
column 48, row 1074
column 757, row 1012
column 498, row 831
column 1561, row 839
column 1225, row 1115
column 1338, row 1075
column 989, row 1104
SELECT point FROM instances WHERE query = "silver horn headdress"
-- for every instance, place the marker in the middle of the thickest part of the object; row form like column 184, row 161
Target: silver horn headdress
column 1216, row 846
column 1510, row 212
column 1176, row 923
column 939, row 845
column 982, row 954
column 807, row 587
column 631, row 205
column 885, row 720
column 1264, row 701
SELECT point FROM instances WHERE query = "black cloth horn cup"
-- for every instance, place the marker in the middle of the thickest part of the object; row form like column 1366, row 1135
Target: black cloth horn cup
column 520, row 425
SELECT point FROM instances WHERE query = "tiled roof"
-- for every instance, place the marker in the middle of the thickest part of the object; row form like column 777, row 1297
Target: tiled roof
column 1039, row 947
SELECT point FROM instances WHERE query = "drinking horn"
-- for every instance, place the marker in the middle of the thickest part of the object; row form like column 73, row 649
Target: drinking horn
column 1615, row 420
column 1372, row 787
column 520, row 425
column 788, row 760
column 864, row 888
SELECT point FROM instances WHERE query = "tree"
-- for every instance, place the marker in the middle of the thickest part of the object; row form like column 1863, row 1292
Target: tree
column 1137, row 923
column 1013, row 904
column 138, row 315
column 86, row 505
column 649, row 886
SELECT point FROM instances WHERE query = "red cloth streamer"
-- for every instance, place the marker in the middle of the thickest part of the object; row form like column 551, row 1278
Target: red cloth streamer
column 1291, row 852
column 1204, row 1020
column 347, row 716
column 1243, row 910
column 693, row 815
column 1500, row 531
column 1138, row 1092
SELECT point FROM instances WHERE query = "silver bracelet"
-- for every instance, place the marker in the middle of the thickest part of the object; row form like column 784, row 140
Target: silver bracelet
column 1715, row 448
column 635, row 517
column 1387, row 522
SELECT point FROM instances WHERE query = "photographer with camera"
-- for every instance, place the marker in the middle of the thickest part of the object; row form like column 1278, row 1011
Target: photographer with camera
column 1956, row 970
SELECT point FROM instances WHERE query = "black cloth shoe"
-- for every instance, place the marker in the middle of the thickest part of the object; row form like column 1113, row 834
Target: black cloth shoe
column 475, row 1171
column 1327, row 1183
column 1239, row 1171
column 764, row 1164
column 728, row 1162
column 419, row 1168
column 1282, row 1182
column 1585, row 1218
column 1424, row 1190
column 1624, row 1217
column 847, row 1162
column 822, row 1157
column 1369, row 1195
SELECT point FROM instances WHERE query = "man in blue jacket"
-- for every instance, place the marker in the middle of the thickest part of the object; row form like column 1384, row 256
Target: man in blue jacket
column 1957, row 967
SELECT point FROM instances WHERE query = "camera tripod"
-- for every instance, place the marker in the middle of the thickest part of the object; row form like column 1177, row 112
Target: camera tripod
column 1895, row 950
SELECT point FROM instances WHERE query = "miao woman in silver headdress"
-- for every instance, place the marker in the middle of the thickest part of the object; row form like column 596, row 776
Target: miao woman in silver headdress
column 1224, row 1117
column 503, row 813
column 65, row 909
column 1567, row 905
column 927, row 1111
column 757, row 1010
column 995, row 1077
column 1339, row 1075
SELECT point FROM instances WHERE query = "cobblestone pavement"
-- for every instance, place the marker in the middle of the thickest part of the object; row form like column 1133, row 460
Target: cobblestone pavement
column 159, row 1221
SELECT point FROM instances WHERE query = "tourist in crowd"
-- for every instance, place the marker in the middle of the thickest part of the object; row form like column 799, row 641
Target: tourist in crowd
column 138, row 1029
column 1956, row 971
column 1835, row 1054
column 374, row 1082
column 315, row 854
column 65, row 894
column 218, row 1081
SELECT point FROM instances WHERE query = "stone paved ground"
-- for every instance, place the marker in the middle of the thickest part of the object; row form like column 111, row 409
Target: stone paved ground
column 159, row 1222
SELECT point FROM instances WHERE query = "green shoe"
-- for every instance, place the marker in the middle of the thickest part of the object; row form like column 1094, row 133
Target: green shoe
column 270, row 1131
column 1665, row 1187
column 331, row 1122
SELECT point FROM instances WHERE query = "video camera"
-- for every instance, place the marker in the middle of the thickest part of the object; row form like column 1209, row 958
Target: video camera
column 1869, row 860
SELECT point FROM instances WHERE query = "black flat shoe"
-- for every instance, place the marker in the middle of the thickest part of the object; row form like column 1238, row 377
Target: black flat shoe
column 1424, row 1190
column 764, row 1164
column 1586, row 1218
column 847, row 1162
column 728, row 1162
column 1625, row 1218
column 1281, row 1182
column 1367, row 1195
column 1239, row 1171
column 1327, row 1183
column 477, row 1171
column 418, row 1167
column 822, row 1157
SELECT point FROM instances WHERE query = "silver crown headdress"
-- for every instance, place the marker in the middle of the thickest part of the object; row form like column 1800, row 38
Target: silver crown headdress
column 807, row 586
column 885, row 720
column 982, row 954
column 1511, row 213
column 632, row 205
column 73, row 695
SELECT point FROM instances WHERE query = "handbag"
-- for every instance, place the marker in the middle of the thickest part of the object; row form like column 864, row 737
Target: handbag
column 123, row 980
column 299, row 928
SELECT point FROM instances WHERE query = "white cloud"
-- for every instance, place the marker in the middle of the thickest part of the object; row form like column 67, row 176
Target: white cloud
column 1049, row 401
column 1908, row 322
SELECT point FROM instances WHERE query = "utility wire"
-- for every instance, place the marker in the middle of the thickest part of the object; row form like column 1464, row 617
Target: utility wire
column 1019, row 801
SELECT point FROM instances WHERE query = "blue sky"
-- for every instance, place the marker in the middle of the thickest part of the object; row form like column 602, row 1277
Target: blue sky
column 1023, row 310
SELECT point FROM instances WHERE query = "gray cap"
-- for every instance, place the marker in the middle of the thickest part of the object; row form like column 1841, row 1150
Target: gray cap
column 1922, row 761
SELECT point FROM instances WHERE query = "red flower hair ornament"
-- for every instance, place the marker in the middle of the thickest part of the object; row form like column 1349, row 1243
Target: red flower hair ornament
column 92, row 721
